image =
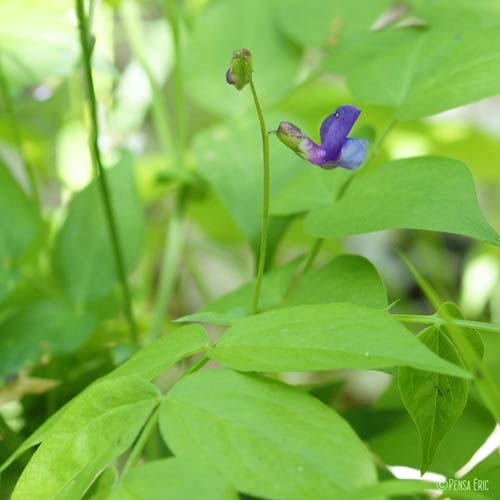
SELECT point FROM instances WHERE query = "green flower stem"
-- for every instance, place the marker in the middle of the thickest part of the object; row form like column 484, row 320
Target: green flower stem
column 265, row 201
column 146, row 432
column 436, row 320
column 16, row 136
column 482, row 377
column 100, row 173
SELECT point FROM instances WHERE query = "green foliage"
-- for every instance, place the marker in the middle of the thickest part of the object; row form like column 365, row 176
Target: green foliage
column 436, row 194
column 183, row 156
column 246, row 425
column 179, row 478
column 434, row 401
column 95, row 429
column 42, row 327
column 324, row 337
column 154, row 358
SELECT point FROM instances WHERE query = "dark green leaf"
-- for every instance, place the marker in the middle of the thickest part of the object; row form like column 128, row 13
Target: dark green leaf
column 43, row 327
column 434, row 401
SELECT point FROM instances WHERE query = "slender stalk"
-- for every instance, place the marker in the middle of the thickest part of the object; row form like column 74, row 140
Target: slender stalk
column 146, row 432
column 16, row 136
column 265, row 200
column 170, row 258
column 436, row 320
column 100, row 173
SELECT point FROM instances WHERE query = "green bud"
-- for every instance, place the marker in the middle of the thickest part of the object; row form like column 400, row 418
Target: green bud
column 239, row 73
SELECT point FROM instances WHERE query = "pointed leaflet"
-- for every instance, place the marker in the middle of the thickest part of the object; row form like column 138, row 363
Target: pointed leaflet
column 434, row 401
column 422, row 73
column 324, row 337
column 171, row 478
column 250, row 427
column 98, row 426
column 431, row 193
column 153, row 359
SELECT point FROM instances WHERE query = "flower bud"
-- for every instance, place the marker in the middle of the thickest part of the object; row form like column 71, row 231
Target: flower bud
column 239, row 73
column 298, row 142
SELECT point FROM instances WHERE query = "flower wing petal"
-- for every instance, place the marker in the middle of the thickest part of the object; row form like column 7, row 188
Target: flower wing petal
column 335, row 128
column 352, row 153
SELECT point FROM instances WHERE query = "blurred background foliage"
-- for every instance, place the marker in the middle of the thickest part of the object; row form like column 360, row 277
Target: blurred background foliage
column 163, row 102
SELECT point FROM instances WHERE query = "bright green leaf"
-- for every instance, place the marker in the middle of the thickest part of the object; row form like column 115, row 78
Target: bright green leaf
column 434, row 401
column 83, row 257
column 172, row 478
column 247, row 425
column 43, row 327
column 429, row 193
column 98, row 426
column 346, row 278
column 310, row 188
column 153, row 359
column 324, row 337
column 423, row 73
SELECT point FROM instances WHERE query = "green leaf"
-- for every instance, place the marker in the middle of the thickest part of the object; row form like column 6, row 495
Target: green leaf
column 429, row 193
column 83, row 258
column 346, row 278
column 153, row 359
column 245, row 425
column 423, row 73
column 310, row 188
column 175, row 478
column 230, row 159
column 43, row 327
column 398, row 443
column 434, row 401
column 324, row 337
column 321, row 24
column 36, row 438
column 98, row 426
column 229, row 26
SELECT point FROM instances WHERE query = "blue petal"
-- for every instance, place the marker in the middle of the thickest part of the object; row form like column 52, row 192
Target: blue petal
column 353, row 153
column 335, row 128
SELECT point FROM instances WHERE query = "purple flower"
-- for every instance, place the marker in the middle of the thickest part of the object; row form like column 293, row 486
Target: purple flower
column 336, row 149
